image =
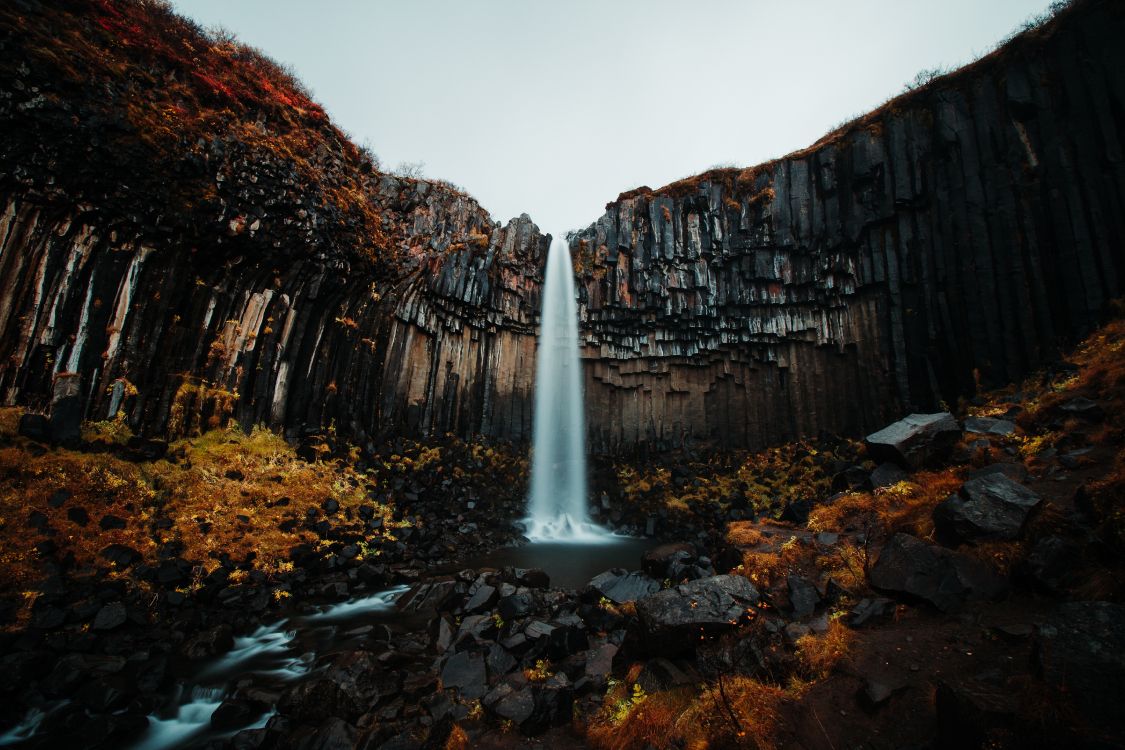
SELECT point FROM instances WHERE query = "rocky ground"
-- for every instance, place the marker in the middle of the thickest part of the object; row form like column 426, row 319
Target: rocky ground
column 953, row 581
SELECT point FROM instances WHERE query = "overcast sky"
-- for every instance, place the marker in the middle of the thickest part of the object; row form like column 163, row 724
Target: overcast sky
column 553, row 108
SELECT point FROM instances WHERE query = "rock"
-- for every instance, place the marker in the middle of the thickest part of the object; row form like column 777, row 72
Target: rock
column 803, row 596
column 874, row 694
column 674, row 619
column 466, row 672
column 915, row 441
column 35, row 427
column 110, row 521
column 232, row 713
column 1054, row 564
column 110, row 617
column 519, row 604
column 333, row 734
column 796, row 512
column 989, row 507
column 1083, row 408
column 119, row 555
column 886, row 474
column 620, row 586
column 989, row 426
column 348, row 688
column 517, row 707
column 533, row 578
column 867, row 610
column 211, row 642
column 78, row 515
column 1081, row 652
column 481, row 599
column 66, row 409
column 655, row 561
column 944, row 578
column 661, row 674
column 599, row 662
column 795, row 631
column 58, row 498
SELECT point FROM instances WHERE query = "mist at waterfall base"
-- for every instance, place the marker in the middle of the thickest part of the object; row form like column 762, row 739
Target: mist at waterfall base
column 557, row 509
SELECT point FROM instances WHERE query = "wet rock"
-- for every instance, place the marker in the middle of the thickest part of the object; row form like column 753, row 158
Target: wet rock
column 675, row 618
column 944, row 578
column 620, row 586
column 209, row 643
column 231, row 714
column 915, row 441
column 989, row 507
column 1081, row 652
column 348, row 688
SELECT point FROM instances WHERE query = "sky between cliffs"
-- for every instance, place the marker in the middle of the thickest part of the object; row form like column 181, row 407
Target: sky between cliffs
column 553, row 108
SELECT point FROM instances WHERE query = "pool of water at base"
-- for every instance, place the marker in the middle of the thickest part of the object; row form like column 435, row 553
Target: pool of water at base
column 570, row 565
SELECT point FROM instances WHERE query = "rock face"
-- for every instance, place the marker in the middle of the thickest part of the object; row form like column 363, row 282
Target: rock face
column 968, row 227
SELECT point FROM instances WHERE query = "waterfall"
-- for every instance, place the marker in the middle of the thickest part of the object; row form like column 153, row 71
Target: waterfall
column 557, row 506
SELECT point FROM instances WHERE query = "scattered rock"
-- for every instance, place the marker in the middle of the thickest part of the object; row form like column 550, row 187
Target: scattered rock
column 916, row 441
column 943, row 578
column 803, row 596
column 989, row 507
column 675, row 618
column 620, row 586
column 886, row 474
column 989, row 426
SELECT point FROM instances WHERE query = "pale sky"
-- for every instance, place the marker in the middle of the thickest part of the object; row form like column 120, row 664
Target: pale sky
column 553, row 108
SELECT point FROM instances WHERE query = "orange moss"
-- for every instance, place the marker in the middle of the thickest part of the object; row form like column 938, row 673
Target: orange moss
column 906, row 506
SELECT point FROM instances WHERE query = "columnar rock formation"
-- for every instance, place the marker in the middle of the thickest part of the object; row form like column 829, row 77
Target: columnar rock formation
column 958, row 235
column 246, row 260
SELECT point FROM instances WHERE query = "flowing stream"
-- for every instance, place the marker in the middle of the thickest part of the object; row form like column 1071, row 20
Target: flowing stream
column 557, row 506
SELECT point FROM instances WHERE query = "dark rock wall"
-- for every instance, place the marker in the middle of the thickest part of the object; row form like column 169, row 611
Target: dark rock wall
column 959, row 235
column 297, row 344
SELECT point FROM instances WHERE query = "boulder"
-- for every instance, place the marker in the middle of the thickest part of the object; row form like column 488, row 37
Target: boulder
column 674, row 619
column 1017, row 472
column 886, row 474
column 620, row 586
column 66, row 409
column 988, row 507
column 35, row 427
column 915, row 441
column 349, row 688
column 933, row 574
column 110, row 617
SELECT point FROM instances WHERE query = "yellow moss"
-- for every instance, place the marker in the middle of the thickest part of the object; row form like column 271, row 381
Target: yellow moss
column 819, row 654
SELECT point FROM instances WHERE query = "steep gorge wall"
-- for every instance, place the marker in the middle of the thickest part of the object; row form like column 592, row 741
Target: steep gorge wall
column 175, row 340
column 960, row 234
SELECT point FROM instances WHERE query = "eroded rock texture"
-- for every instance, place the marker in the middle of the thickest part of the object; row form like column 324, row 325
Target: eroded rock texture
column 962, row 232
column 248, row 262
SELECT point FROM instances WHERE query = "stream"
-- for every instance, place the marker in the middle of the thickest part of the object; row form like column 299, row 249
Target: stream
column 275, row 655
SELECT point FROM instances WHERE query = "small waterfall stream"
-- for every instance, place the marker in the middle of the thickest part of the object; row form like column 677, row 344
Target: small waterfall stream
column 557, row 509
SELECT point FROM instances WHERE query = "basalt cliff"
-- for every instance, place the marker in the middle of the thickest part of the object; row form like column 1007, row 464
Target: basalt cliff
column 185, row 237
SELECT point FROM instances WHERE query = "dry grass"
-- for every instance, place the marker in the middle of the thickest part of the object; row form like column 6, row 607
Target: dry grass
column 768, row 567
column 906, row 506
column 259, row 478
column 820, row 654
column 98, row 483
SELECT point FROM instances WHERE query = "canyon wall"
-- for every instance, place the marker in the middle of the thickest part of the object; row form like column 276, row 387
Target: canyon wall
column 249, row 262
column 955, row 238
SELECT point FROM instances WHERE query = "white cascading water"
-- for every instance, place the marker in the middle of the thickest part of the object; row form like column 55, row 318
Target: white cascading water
column 557, row 506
